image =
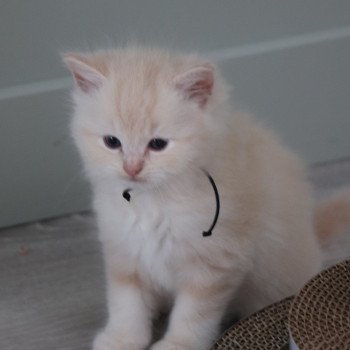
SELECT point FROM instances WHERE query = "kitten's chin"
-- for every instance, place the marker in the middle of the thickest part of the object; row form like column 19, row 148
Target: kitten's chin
column 139, row 183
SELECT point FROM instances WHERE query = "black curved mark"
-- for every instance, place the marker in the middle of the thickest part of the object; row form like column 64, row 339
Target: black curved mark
column 217, row 211
column 126, row 196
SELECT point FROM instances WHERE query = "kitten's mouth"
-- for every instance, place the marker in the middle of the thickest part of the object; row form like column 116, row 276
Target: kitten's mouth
column 134, row 179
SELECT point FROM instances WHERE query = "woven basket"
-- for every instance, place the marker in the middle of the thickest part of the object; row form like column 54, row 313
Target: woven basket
column 266, row 329
column 317, row 318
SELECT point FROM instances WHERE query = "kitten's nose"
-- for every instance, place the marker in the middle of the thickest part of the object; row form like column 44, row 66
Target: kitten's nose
column 133, row 168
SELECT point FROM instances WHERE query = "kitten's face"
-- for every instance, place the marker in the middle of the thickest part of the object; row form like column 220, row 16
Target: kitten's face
column 139, row 124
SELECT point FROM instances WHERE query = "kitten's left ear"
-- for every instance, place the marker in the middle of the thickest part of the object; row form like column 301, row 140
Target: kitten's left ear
column 86, row 76
column 197, row 83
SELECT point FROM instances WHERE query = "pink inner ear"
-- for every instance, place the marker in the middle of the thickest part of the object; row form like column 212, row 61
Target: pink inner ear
column 197, row 84
column 201, row 90
column 87, row 78
column 85, row 84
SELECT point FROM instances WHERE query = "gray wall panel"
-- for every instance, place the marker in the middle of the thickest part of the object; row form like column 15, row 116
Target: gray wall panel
column 303, row 93
column 288, row 60
column 41, row 175
column 32, row 32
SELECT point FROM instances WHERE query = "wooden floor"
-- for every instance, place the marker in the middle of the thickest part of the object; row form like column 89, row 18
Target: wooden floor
column 51, row 275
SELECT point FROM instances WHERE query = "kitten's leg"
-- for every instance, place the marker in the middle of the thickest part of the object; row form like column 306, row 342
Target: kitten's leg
column 129, row 325
column 195, row 319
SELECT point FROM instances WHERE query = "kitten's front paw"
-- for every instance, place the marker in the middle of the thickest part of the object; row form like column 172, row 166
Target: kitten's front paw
column 108, row 341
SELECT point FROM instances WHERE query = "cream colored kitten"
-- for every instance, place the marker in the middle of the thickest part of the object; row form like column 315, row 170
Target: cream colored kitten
column 154, row 123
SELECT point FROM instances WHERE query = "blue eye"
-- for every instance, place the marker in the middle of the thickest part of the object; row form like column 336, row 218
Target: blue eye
column 112, row 142
column 157, row 144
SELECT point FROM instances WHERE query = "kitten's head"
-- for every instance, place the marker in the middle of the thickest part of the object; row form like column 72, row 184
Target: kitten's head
column 142, row 117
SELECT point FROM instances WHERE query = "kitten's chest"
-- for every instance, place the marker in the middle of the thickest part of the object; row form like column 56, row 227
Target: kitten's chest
column 169, row 221
column 157, row 236
column 154, row 236
column 151, row 243
column 148, row 218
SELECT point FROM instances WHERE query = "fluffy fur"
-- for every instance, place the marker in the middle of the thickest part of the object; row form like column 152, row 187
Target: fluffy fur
column 263, row 247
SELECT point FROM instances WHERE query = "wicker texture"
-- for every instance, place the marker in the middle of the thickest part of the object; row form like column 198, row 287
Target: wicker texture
column 319, row 317
column 266, row 329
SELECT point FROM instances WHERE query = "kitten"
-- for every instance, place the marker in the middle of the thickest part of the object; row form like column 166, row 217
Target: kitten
column 155, row 123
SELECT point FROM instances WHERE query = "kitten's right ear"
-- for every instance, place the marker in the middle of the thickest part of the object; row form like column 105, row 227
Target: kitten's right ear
column 87, row 78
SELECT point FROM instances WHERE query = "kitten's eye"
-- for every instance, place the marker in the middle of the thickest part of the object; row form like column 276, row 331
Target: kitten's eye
column 111, row 142
column 157, row 144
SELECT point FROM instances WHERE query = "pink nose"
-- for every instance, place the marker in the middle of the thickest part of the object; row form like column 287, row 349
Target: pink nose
column 133, row 168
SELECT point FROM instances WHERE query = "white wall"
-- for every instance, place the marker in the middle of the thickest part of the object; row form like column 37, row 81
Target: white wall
column 287, row 59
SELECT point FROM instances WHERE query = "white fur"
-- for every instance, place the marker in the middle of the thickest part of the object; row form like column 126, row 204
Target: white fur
column 263, row 247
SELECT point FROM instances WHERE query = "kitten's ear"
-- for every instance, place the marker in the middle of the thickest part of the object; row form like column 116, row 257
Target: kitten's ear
column 197, row 83
column 87, row 78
